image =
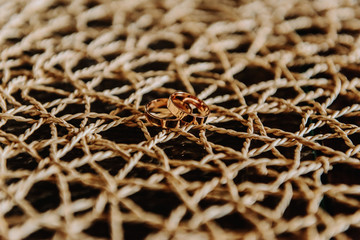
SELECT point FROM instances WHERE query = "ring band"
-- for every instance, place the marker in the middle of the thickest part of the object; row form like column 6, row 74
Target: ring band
column 163, row 122
column 179, row 100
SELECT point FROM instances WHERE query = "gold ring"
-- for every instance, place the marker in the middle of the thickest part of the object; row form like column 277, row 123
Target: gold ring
column 164, row 122
column 178, row 103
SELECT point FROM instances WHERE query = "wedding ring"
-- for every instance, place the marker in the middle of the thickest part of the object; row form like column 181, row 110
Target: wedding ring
column 177, row 105
column 166, row 121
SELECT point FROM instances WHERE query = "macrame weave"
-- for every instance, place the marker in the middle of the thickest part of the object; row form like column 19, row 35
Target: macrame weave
column 277, row 159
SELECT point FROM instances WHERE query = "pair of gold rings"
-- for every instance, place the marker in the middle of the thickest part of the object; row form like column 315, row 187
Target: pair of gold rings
column 178, row 110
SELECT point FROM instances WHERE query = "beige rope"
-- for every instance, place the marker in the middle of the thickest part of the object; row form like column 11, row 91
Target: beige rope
column 278, row 158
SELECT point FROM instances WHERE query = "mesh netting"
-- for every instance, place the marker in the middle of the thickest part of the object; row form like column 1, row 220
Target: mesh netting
column 278, row 158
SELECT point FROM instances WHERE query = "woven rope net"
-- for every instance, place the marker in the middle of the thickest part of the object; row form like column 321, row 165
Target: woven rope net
column 277, row 159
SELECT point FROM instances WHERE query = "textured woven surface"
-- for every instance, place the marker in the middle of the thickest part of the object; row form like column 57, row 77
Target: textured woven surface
column 278, row 158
